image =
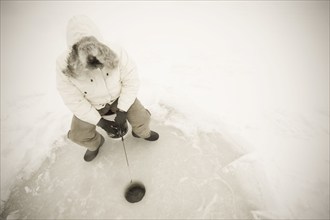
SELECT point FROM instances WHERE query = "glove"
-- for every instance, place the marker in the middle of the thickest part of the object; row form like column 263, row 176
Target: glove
column 108, row 126
column 120, row 119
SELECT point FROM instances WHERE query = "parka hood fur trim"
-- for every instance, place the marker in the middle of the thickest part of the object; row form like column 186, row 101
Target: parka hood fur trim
column 77, row 60
column 83, row 40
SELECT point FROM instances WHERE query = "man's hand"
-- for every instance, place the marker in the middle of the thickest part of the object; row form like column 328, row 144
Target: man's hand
column 120, row 119
column 108, row 126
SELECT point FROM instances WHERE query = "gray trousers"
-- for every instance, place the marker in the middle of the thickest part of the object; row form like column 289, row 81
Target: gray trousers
column 85, row 134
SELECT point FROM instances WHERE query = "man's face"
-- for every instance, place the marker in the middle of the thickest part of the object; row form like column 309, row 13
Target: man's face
column 89, row 53
column 93, row 63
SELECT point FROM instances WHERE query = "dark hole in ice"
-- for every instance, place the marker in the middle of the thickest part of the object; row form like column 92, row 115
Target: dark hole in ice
column 135, row 192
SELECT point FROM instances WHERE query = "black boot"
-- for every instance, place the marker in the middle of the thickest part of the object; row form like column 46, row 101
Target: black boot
column 153, row 136
column 90, row 155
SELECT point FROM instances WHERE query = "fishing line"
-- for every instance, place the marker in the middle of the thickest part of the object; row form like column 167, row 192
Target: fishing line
column 122, row 140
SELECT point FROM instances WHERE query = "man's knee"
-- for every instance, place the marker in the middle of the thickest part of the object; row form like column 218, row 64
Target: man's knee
column 84, row 134
column 139, row 118
column 76, row 137
column 137, row 114
column 91, row 143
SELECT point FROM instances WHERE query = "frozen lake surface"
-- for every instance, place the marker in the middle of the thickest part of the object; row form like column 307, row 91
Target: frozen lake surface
column 239, row 92
column 184, row 178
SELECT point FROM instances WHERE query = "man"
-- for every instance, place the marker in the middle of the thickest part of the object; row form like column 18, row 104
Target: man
column 95, row 79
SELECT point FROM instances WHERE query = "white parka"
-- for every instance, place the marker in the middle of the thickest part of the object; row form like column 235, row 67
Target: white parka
column 88, row 92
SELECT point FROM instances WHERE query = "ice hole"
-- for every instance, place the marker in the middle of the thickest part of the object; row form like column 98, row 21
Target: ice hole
column 135, row 192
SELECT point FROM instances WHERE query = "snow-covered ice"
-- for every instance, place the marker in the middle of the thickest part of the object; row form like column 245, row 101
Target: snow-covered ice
column 181, row 181
column 239, row 92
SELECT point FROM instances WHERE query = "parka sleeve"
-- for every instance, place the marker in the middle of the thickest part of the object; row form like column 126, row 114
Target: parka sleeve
column 74, row 99
column 129, row 81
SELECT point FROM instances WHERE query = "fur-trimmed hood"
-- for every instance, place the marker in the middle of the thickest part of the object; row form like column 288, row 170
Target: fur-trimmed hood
column 86, row 49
